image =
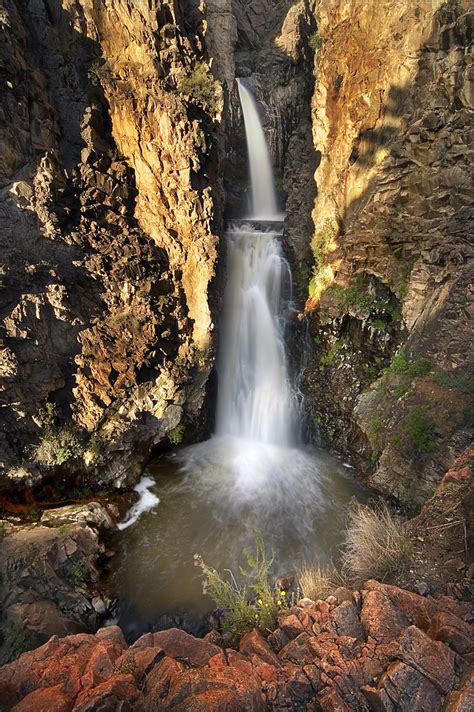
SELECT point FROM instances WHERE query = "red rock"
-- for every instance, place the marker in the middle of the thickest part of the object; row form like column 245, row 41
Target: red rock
column 418, row 609
column 433, row 659
column 461, row 700
column 451, row 630
column 332, row 702
column 379, row 617
column 346, row 621
column 214, row 700
column 45, row 699
column 403, row 688
column 108, row 695
column 298, row 683
column 297, row 650
column 245, row 689
column 291, row 626
column 178, row 644
column 138, row 662
column 255, row 644
column 159, row 680
column 313, row 675
column 277, row 640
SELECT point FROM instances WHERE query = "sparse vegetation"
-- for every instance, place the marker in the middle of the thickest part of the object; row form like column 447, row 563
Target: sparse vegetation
column 57, row 444
column 16, row 639
column 315, row 41
column 374, row 432
column 455, row 381
column 402, row 366
column 77, row 574
column 317, row 581
column 175, row 436
column 250, row 604
column 376, row 544
column 202, row 88
column 420, row 429
column 57, row 447
column 337, row 346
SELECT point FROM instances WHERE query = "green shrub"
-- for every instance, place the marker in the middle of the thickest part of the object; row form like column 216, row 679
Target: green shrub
column 420, row 429
column 16, row 640
column 175, row 436
column 77, row 574
column 376, row 544
column 250, row 604
column 315, row 41
column 57, row 447
column 202, row 88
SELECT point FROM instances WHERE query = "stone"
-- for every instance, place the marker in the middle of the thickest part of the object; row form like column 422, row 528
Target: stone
column 291, row 626
column 403, row 688
column 380, row 619
column 346, row 620
column 254, row 644
column 45, row 699
column 431, row 658
column 177, row 644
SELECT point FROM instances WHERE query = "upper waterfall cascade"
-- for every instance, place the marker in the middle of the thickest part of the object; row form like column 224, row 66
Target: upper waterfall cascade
column 264, row 202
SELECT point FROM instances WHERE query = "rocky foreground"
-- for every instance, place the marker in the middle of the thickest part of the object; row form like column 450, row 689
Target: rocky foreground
column 381, row 648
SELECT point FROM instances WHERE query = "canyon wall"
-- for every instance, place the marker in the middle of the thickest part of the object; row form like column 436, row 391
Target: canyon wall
column 110, row 205
column 389, row 295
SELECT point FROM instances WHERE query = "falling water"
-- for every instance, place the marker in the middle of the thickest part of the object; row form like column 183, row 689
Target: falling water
column 252, row 473
column 264, row 203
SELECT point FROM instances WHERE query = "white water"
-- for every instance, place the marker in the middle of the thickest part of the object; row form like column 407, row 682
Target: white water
column 255, row 400
column 146, row 501
column 254, row 459
column 264, row 203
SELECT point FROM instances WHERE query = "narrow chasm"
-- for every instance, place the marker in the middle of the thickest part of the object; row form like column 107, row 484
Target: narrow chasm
column 235, row 355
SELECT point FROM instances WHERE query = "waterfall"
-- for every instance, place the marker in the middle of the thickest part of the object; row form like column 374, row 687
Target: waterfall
column 254, row 450
column 255, row 400
column 264, row 204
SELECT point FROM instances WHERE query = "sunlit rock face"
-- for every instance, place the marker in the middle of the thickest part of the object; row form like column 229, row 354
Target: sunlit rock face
column 391, row 119
column 109, row 197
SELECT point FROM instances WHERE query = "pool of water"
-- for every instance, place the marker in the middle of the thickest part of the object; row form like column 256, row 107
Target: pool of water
column 296, row 499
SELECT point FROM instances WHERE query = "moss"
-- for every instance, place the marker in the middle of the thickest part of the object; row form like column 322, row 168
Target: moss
column 16, row 639
column 374, row 433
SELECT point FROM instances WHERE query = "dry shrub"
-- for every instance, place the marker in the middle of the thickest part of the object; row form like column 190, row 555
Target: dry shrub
column 317, row 581
column 376, row 544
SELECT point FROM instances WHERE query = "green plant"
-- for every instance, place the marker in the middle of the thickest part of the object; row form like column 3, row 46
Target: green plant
column 315, row 41
column 16, row 639
column 128, row 666
column 175, row 436
column 202, row 88
column 58, row 446
column 455, row 381
column 337, row 346
column 374, row 432
column 376, row 544
column 420, row 429
column 250, row 604
column 317, row 581
column 77, row 574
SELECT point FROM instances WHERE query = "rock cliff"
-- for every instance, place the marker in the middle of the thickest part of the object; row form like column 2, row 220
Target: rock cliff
column 110, row 200
column 389, row 298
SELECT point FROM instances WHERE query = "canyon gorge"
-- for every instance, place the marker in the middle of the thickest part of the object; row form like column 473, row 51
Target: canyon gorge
column 126, row 213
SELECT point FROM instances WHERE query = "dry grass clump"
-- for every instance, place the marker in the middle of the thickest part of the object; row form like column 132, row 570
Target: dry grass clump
column 376, row 544
column 317, row 581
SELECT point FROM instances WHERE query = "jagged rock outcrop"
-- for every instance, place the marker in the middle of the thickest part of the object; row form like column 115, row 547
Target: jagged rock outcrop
column 382, row 648
column 49, row 576
column 110, row 200
column 392, row 120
